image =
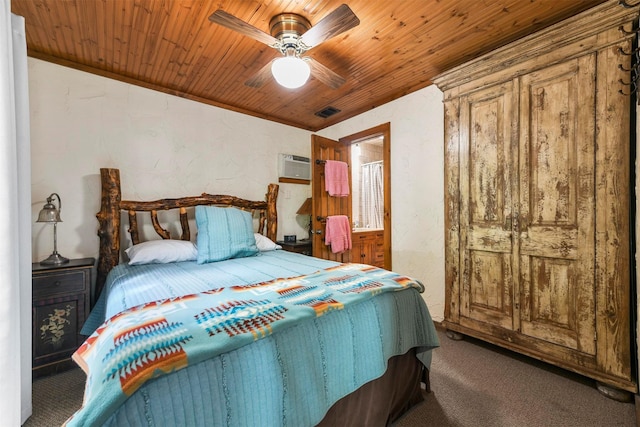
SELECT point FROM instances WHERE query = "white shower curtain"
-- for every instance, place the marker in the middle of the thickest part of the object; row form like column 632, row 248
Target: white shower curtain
column 15, row 222
column 371, row 195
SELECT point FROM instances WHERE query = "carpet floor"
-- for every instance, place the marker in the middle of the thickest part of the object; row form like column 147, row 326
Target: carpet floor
column 474, row 384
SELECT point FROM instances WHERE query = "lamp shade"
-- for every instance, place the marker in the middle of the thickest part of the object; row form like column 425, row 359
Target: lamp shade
column 290, row 71
column 49, row 213
column 305, row 209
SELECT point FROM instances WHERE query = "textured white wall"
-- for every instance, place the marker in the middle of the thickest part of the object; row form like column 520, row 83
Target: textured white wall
column 417, row 185
column 164, row 146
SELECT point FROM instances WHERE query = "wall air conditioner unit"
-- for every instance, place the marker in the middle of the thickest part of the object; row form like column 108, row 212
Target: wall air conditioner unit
column 294, row 167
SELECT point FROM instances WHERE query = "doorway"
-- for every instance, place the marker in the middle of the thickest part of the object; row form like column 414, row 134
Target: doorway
column 371, row 189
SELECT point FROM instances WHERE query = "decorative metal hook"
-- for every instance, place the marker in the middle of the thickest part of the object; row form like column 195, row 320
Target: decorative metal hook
column 628, row 33
column 634, row 88
column 620, row 67
column 631, row 83
column 633, row 52
column 627, row 5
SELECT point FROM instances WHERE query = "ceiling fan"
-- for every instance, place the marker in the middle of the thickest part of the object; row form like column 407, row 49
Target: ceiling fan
column 292, row 35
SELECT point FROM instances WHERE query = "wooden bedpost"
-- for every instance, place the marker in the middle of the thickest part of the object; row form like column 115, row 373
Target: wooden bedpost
column 109, row 225
column 272, row 211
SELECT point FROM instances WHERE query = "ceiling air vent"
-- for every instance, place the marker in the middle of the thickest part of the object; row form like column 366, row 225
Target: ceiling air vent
column 329, row 111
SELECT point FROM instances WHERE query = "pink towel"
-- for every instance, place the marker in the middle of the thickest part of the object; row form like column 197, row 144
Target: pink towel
column 338, row 233
column 336, row 178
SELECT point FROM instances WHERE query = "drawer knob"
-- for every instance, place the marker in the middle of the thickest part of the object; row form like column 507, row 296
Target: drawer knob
column 57, row 283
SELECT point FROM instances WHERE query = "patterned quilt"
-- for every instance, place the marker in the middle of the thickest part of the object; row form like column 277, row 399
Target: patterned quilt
column 164, row 336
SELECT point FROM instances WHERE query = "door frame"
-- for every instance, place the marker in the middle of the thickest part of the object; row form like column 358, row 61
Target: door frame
column 383, row 130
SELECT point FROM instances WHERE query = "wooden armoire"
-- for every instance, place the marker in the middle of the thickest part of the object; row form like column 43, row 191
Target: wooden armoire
column 538, row 162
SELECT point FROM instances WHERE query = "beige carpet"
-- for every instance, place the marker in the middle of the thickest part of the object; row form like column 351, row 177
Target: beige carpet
column 474, row 385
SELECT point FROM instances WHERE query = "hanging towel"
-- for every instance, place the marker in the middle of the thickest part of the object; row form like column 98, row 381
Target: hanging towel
column 336, row 178
column 338, row 233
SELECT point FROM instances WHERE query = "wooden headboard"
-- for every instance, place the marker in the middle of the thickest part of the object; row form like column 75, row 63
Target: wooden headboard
column 112, row 206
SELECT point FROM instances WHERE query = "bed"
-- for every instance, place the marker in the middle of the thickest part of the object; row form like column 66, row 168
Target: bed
column 234, row 331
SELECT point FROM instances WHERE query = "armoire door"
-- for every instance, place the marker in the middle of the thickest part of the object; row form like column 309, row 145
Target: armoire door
column 487, row 134
column 556, row 220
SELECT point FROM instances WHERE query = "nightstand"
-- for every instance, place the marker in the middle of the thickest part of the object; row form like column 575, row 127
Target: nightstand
column 60, row 305
column 301, row 246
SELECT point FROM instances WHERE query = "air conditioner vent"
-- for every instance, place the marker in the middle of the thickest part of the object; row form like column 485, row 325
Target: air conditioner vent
column 329, row 111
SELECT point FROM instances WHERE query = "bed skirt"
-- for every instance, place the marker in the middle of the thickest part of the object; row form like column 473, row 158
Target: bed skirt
column 382, row 401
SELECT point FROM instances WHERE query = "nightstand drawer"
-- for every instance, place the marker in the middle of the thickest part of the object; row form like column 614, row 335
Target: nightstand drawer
column 58, row 283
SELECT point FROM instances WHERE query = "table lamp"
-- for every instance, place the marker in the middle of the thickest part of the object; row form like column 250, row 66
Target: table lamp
column 51, row 215
column 305, row 209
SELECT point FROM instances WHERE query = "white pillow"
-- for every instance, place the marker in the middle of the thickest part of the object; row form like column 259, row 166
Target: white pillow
column 264, row 243
column 161, row 252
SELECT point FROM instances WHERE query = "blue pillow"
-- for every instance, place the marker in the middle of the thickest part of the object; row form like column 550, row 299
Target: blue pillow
column 224, row 233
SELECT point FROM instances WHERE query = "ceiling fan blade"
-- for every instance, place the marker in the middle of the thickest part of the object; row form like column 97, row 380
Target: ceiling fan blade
column 324, row 74
column 336, row 22
column 225, row 19
column 261, row 77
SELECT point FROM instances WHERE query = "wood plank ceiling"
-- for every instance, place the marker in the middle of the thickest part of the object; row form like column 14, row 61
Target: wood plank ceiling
column 171, row 46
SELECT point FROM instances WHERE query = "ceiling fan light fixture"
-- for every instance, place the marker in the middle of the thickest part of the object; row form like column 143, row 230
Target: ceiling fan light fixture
column 290, row 72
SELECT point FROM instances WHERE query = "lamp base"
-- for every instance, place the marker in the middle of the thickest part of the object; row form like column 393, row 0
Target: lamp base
column 54, row 259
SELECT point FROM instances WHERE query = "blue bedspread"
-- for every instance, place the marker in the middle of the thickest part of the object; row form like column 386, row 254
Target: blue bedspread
column 342, row 338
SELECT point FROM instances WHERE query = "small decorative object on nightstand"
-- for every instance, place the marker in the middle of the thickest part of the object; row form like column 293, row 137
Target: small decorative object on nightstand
column 301, row 246
column 60, row 305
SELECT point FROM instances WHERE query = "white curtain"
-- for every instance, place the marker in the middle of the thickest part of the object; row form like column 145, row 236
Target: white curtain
column 371, row 195
column 15, row 222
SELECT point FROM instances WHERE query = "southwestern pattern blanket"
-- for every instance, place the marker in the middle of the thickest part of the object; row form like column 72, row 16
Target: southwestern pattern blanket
column 164, row 336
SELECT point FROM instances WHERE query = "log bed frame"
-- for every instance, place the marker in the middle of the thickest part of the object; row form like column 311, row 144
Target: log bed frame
column 112, row 206
column 381, row 401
